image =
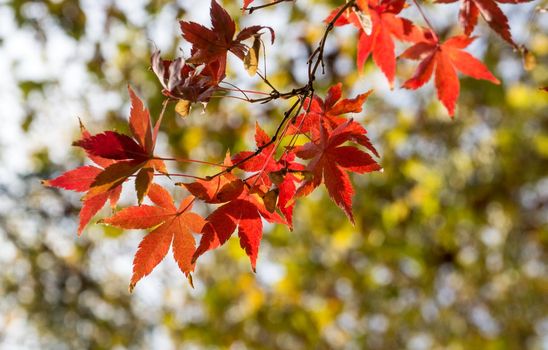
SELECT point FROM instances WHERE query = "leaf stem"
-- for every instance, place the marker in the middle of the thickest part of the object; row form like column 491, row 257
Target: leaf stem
column 242, row 90
column 306, row 91
column 287, row 114
column 186, row 160
column 419, row 7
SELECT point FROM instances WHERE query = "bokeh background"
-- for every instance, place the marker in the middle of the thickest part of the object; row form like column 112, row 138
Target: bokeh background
column 449, row 249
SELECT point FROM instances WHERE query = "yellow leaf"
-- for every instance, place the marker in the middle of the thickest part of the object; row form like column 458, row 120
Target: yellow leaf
column 182, row 108
column 529, row 60
column 251, row 60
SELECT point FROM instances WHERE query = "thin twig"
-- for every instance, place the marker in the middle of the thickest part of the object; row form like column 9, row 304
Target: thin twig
column 425, row 18
column 258, row 7
column 159, row 121
column 236, row 88
column 266, row 80
column 175, row 175
column 259, row 149
column 303, row 93
column 320, row 50
column 186, row 160
column 273, row 151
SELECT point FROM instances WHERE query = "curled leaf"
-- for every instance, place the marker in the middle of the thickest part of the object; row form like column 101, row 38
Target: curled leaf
column 270, row 200
column 183, row 108
column 529, row 59
column 251, row 59
column 364, row 18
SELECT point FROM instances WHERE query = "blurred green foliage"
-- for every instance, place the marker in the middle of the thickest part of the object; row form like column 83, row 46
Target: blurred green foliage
column 448, row 251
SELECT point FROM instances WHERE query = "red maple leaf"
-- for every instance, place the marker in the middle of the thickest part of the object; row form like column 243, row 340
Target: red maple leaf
column 378, row 23
column 172, row 226
column 491, row 13
column 243, row 213
column 187, row 82
column 330, row 112
column 262, row 162
column 130, row 155
column 80, row 180
column 329, row 163
column 118, row 157
column 445, row 59
column 264, row 165
column 213, row 44
column 220, row 189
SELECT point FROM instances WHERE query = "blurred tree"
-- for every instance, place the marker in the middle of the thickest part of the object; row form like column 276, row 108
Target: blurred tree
column 449, row 247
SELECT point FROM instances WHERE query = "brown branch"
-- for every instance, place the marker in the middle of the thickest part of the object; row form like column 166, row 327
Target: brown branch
column 321, row 47
column 258, row 7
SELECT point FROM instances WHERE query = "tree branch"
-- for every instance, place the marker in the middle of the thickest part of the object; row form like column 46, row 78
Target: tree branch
column 258, row 7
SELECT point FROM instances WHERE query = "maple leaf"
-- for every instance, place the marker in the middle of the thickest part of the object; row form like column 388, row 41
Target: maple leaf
column 102, row 162
column 187, row 82
column 378, row 23
column 289, row 174
column 330, row 113
column 264, row 165
column 79, row 180
column 329, row 163
column 444, row 60
column 244, row 213
column 195, row 79
column 262, row 162
column 130, row 155
column 213, row 44
column 171, row 226
column 491, row 13
column 220, row 189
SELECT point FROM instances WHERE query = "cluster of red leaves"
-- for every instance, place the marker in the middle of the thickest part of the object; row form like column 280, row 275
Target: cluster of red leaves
column 378, row 24
column 268, row 190
column 196, row 78
column 118, row 157
column 271, row 177
column 275, row 181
